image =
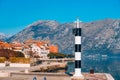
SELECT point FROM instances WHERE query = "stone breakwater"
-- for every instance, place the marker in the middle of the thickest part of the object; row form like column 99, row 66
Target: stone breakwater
column 48, row 67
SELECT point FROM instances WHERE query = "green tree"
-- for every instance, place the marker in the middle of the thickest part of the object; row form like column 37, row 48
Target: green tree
column 56, row 55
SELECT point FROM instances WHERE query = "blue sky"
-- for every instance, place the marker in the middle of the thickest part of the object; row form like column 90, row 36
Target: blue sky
column 15, row 15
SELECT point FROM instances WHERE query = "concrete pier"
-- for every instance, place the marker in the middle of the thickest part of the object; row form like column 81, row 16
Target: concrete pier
column 54, row 76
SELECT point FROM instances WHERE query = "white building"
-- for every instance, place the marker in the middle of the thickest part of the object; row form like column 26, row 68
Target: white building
column 40, row 51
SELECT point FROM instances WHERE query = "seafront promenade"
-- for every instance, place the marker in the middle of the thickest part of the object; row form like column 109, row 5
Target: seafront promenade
column 54, row 76
column 17, row 73
column 44, row 67
column 39, row 76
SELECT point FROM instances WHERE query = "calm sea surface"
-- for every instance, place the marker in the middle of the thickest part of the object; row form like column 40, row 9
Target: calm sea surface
column 102, row 65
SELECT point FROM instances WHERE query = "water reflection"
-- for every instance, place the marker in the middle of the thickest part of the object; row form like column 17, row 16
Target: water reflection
column 106, row 65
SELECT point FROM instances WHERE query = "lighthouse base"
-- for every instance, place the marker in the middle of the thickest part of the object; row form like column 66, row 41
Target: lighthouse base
column 77, row 78
column 77, row 75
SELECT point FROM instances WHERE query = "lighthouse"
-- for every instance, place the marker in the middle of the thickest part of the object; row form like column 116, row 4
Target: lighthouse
column 77, row 32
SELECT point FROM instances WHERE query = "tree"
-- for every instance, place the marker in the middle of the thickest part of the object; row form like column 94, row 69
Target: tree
column 56, row 55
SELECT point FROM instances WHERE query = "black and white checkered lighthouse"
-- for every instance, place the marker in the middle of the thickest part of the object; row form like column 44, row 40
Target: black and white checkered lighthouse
column 77, row 33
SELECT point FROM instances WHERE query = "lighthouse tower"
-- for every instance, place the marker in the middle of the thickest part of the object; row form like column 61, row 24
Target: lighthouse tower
column 77, row 33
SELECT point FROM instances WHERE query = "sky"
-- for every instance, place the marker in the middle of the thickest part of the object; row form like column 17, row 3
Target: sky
column 15, row 15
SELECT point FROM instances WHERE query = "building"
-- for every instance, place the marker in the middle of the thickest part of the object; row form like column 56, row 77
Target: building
column 42, row 51
column 38, row 48
column 26, row 51
column 17, row 46
column 31, row 48
column 5, row 45
column 53, row 48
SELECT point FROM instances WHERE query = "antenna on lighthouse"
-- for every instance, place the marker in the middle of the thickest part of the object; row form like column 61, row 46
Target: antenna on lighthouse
column 77, row 22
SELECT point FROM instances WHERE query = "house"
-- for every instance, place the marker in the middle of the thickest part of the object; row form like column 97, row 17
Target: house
column 31, row 47
column 5, row 45
column 53, row 48
column 26, row 51
column 17, row 46
column 40, row 50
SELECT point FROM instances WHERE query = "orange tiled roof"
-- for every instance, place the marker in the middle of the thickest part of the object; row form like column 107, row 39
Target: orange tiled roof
column 16, row 45
column 4, row 45
column 17, row 48
column 26, row 46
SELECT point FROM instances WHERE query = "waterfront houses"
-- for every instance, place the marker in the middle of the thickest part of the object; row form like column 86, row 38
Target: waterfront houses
column 31, row 48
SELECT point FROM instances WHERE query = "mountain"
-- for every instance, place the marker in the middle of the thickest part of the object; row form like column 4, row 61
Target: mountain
column 59, row 34
column 3, row 36
column 101, row 36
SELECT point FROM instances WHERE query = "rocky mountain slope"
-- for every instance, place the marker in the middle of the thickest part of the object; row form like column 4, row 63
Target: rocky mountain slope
column 97, row 37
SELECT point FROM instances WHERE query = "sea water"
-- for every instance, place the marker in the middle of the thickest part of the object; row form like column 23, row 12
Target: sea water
column 100, row 65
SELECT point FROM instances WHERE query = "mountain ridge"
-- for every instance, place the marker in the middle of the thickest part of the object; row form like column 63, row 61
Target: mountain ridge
column 4, row 36
column 97, row 35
